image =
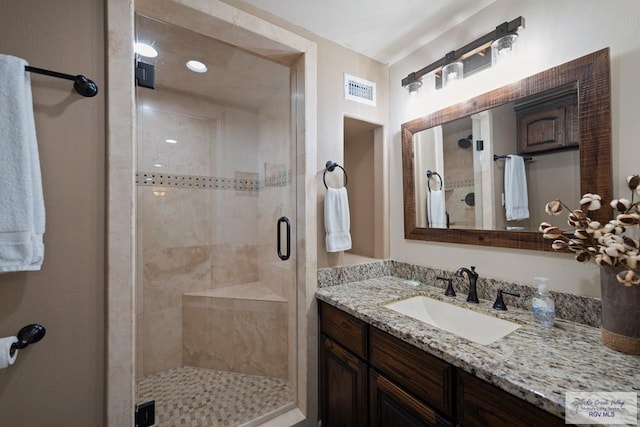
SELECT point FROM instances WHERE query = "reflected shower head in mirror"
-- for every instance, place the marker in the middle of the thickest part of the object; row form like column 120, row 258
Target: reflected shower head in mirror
column 465, row 143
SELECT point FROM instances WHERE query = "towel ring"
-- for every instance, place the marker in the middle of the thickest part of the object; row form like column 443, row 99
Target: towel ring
column 431, row 174
column 331, row 166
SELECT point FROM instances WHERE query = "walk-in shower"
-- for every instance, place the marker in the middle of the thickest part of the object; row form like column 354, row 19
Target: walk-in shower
column 215, row 174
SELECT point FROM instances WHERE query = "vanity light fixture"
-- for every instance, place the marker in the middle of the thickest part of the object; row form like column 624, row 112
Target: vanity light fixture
column 414, row 85
column 503, row 44
column 473, row 57
column 453, row 71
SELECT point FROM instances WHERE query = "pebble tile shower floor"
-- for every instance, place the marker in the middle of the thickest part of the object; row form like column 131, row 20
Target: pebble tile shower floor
column 198, row 397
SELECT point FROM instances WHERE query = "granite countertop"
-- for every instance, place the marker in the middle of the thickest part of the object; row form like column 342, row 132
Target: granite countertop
column 534, row 363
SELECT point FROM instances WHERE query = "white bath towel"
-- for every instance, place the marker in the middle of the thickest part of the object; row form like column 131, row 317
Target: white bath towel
column 436, row 209
column 516, row 198
column 336, row 220
column 21, row 202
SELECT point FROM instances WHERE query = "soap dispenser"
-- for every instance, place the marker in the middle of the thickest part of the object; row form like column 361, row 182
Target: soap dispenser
column 543, row 307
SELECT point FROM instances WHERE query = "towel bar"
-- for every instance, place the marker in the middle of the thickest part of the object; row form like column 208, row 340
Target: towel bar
column 331, row 166
column 431, row 174
column 81, row 84
column 497, row 157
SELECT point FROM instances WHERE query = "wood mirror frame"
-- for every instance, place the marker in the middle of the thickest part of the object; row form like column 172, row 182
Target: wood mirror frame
column 592, row 75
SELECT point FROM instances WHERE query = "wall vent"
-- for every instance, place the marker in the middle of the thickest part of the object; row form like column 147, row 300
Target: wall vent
column 359, row 90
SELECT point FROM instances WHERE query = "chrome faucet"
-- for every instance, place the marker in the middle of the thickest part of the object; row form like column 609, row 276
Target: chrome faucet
column 473, row 280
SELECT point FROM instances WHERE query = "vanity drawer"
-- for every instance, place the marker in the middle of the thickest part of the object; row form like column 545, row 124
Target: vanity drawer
column 343, row 328
column 426, row 377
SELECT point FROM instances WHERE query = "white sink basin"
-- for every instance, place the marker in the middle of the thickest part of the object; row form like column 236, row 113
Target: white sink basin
column 477, row 327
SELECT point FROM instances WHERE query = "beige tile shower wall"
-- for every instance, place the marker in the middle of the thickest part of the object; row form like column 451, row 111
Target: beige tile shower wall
column 239, row 335
column 190, row 239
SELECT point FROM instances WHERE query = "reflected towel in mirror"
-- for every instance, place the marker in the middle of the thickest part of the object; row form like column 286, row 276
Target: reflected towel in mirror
column 435, row 209
column 516, row 198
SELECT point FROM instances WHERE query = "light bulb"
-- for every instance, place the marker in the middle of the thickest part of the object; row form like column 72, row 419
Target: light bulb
column 144, row 49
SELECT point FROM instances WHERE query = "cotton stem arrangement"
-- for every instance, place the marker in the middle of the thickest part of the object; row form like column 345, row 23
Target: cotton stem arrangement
column 606, row 244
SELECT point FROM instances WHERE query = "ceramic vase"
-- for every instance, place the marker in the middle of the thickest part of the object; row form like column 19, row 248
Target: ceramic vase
column 620, row 312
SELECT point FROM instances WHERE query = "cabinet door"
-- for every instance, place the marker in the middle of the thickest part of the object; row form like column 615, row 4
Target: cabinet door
column 343, row 387
column 541, row 130
column 424, row 376
column 481, row 404
column 392, row 406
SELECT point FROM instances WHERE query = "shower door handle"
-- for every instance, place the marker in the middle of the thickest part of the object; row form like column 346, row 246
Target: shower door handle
column 285, row 256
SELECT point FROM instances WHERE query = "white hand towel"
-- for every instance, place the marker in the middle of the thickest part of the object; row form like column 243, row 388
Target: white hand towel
column 516, row 198
column 336, row 220
column 22, row 218
column 436, row 209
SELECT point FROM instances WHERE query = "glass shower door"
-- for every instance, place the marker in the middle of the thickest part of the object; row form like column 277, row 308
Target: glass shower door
column 216, row 302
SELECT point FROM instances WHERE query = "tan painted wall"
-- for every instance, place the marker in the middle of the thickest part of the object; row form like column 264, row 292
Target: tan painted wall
column 60, row 380
column 573, row 28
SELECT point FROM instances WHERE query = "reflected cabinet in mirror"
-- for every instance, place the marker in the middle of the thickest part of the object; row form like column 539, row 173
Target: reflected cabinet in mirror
column 480, row 172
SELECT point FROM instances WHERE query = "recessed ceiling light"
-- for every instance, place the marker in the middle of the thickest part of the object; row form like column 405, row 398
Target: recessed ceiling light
column 196, row 66
column 170, row 141
column 145, row 50
column 158, row 165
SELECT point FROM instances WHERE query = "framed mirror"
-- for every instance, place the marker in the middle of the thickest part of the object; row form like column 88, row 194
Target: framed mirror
column 454, row 160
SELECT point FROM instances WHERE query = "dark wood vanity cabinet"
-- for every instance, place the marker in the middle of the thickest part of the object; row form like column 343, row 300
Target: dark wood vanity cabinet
column 370, row 378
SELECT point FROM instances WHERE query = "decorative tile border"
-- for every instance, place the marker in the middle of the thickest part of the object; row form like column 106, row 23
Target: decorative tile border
column 278, row 180
column 276, row 175
column 463, row 183
column 575, row 308
column 244, row 181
